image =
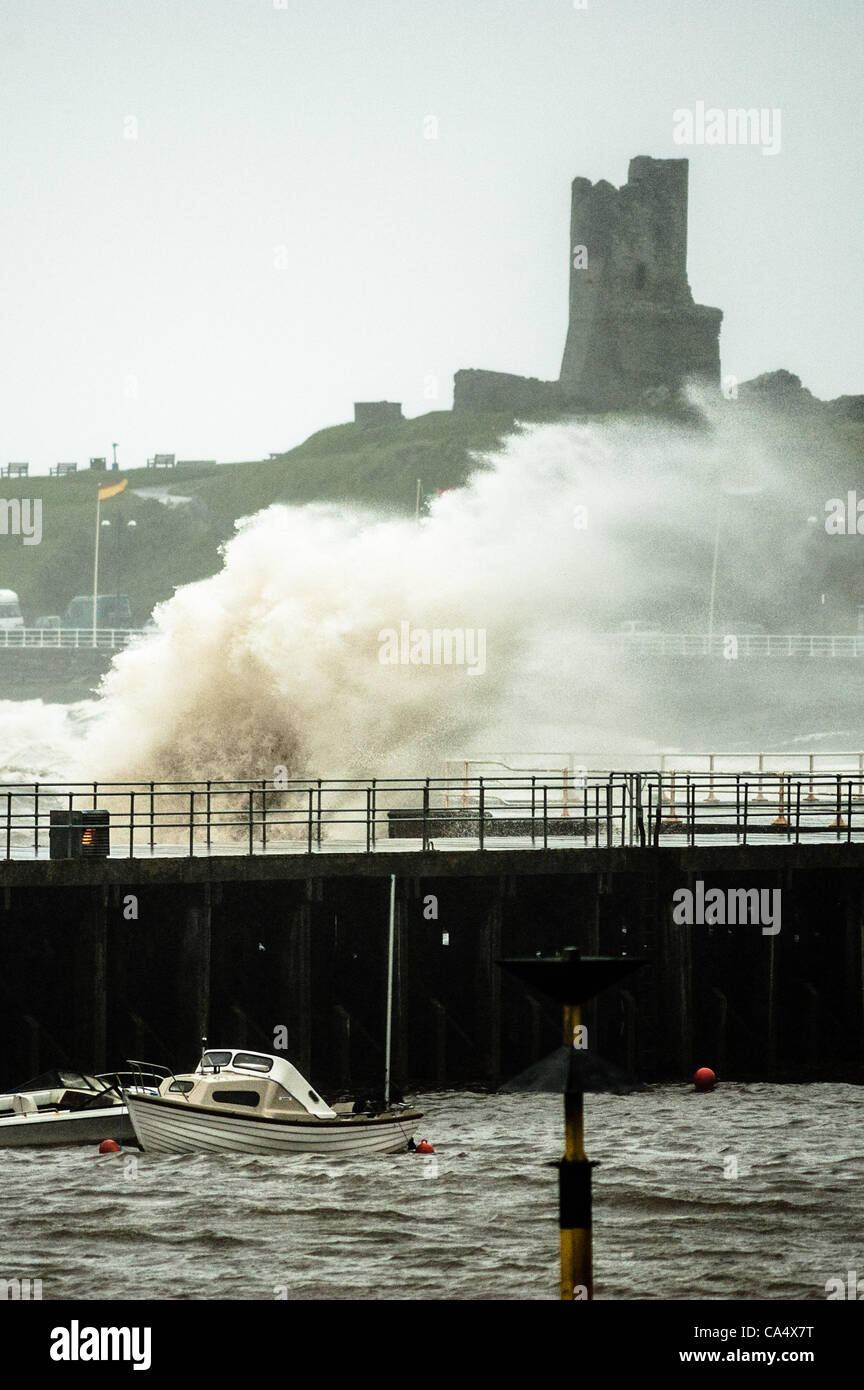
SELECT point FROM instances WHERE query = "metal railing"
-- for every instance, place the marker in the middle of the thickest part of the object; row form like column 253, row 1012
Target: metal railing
column 660, row 644
column 579, row 764
column 597, row 810
column 746, row 644
column 67, row 638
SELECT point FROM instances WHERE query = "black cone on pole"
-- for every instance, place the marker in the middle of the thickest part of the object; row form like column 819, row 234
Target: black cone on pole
column 571, row 978
column 572, row 1069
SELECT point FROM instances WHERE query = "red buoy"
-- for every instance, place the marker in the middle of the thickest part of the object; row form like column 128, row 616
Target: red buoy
column 424, row 1147
column 109, row 1146
column 704, row 1079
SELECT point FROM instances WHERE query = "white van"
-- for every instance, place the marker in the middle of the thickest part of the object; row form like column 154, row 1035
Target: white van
column 10, row 609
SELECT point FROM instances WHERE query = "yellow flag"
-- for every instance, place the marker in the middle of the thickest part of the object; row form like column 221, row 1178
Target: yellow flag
column 111, row 490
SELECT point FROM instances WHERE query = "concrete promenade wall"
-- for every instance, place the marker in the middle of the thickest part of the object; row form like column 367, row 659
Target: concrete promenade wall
column 239, row 947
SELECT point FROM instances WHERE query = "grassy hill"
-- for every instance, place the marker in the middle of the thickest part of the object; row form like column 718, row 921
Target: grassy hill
column 174, row 545
column 822, row 457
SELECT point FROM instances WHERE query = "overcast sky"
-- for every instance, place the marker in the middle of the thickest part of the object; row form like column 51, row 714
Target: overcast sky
column 222, row 222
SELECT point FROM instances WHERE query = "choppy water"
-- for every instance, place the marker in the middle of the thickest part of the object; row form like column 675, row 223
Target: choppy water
column 477, row 1221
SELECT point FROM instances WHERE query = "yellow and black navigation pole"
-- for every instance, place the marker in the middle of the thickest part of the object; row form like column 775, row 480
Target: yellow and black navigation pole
column 571, row 979
column 574, row 1184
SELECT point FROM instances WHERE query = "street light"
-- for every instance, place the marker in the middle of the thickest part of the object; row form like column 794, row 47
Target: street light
column 116, row 547
column 743, row 489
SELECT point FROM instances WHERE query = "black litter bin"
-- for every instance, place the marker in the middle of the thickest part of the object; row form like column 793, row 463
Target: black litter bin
column 79, row 835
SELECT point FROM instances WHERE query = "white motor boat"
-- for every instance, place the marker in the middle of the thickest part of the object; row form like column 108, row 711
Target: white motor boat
column 251, row 1102
column 67, row 1107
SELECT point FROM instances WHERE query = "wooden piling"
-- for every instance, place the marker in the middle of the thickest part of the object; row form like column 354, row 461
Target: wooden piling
column 675, row 960
column 341, row 1048
column 487, row 987
column 293, row 966
column 193, row 955
column 439, row 1042
column 89, row 981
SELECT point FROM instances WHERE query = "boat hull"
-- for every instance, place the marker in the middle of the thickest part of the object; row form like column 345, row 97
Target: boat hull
column 56, row 1128
column 163, row 1126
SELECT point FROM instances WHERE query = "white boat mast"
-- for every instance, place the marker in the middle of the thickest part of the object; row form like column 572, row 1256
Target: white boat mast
column 388, row 1038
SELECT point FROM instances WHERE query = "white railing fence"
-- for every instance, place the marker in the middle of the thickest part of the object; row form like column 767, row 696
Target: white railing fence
column 731, row 645
column 68, row 638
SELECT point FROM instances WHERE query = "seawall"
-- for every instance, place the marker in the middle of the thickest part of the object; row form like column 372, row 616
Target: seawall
column 105, row 960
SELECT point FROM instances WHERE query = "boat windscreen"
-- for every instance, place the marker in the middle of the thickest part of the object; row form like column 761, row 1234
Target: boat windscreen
column 60, row 1080
column 76, row 1099
column 46, row 1081
column 215, row 1059
column 252, row 1061
column 81, row 1081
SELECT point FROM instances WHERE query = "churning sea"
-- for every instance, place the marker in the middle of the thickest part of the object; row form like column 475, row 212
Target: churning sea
column 749, row 1192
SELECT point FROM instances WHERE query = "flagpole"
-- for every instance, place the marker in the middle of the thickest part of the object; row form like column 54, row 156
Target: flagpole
column 110, row 490
column 96, row 567
column 389, row 1029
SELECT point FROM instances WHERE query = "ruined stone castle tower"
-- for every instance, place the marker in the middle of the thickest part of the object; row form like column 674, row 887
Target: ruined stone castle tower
column 633, row 328
column 633, row 324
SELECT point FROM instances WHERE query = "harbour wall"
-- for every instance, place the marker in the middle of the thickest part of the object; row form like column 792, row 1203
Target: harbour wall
column 58, row 677
column 105, row 960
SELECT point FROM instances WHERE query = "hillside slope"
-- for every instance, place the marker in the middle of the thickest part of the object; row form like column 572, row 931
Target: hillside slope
column 803, row 452
column 172, row 545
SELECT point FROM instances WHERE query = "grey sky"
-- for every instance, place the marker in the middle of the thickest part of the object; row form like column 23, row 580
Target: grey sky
column 295, row 136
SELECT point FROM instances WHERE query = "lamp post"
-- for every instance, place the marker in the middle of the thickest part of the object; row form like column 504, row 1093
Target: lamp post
column 744, row 489
column 570, row 979
column 102, row 495
column 118, row 548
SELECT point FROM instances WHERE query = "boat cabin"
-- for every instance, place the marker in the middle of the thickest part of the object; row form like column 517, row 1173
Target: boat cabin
column 247, row 1082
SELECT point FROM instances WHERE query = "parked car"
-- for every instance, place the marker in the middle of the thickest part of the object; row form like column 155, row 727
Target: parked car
column 112, row 610
column 10, row 609
column 52, row 620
